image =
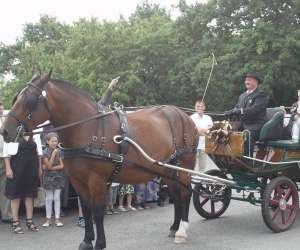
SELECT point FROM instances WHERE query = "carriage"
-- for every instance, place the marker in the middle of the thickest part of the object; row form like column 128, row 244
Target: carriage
column 270, row 178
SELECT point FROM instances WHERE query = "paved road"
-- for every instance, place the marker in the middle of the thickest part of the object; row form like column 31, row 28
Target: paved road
column 241, row 227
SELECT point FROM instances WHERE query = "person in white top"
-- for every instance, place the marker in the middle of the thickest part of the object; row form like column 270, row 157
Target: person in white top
column 296, row 117
column 203, row 123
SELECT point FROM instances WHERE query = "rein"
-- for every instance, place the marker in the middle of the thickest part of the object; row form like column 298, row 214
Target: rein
column 72, row 124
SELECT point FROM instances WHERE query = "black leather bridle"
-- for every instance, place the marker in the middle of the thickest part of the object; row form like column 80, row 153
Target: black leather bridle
column 30, row 102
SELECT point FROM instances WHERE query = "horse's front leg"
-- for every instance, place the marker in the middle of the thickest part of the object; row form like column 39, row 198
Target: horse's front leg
column 89, row 235
column 98, row 191
column 185, row 197
column 98, row 213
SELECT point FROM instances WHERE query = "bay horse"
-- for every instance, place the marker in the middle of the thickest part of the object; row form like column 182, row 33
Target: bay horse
column 164, row 132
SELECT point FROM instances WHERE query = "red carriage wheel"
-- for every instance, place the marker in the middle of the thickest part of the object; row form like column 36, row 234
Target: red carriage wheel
column 280, row 204
column 211, row 206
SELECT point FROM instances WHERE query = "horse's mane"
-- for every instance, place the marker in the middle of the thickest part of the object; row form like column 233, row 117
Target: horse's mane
column 69, row 87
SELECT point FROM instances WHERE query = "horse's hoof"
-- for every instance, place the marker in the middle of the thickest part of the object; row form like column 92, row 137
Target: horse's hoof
column 86, row 246
column 172, row 234
column 179, row 239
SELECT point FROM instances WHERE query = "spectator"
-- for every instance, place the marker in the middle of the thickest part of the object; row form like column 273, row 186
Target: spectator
column 111, row 198
column 296, row 118
column 23, row 168
column 126, row 190
column 140, row 192
column 203, row 123
column 152, row 190
column 53, row 179
column 162, row 193
column 4, row 202
column 80, row 220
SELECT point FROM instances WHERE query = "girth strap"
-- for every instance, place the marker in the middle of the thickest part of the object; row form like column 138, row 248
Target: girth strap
column 124, row 130
column 123, row 147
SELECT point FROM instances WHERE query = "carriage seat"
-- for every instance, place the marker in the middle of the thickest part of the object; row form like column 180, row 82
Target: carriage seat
column 282, row 144
column 273, row 128
column 286, row 144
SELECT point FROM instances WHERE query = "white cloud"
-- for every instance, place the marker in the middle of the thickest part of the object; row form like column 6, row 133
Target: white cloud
column 15, row 13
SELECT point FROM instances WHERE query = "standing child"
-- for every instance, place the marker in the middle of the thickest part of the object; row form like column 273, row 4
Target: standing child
column 53, row 180
column 126, row 190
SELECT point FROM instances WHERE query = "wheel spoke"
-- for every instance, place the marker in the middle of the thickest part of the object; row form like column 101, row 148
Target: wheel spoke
column 273, row 203
column 204, row 202
column 288, row 194
column 282, row 217
column 290, row 207
column 276, row 213
column 213, row 207
column 278, row 191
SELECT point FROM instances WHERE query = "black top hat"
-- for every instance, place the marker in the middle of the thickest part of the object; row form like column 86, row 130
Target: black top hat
column 255, row 76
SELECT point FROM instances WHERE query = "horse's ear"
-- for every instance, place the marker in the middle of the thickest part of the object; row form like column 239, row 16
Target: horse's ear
column 45, row 78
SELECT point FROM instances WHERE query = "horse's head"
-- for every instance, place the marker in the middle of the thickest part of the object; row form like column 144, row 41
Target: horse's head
column 30, row 108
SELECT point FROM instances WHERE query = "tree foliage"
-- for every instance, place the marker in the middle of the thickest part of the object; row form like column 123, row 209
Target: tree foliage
column 162, row 60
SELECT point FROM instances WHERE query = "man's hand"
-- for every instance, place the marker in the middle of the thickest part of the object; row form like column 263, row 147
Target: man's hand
column 232, row 112
column 113, row 84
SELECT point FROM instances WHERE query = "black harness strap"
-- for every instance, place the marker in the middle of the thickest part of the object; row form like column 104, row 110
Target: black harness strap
column 123, row 147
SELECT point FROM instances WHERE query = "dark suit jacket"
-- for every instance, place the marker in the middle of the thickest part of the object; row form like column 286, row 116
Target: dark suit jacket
column 254, row 107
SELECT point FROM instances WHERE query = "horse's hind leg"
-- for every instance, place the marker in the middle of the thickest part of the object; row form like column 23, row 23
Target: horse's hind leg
column 185, row 197
column 174, row 193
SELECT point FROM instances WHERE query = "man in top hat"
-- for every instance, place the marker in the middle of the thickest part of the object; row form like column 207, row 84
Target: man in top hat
column 251, row 109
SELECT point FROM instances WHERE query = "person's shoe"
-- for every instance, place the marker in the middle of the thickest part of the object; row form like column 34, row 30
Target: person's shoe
column 122, row 209
column 58, row 223
column 31, row 226
column 114, row 211
column 81, row 222
column 47, row 224
column 160, row 204
column 16, row 227
column 131, row 208
column 139, row 208
column 6, row 221
column 108, row 212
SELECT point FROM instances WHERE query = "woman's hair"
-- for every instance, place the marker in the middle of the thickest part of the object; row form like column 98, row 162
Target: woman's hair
column 52, row 134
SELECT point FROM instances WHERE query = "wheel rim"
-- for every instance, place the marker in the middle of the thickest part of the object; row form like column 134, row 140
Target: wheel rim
column 283, row 205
